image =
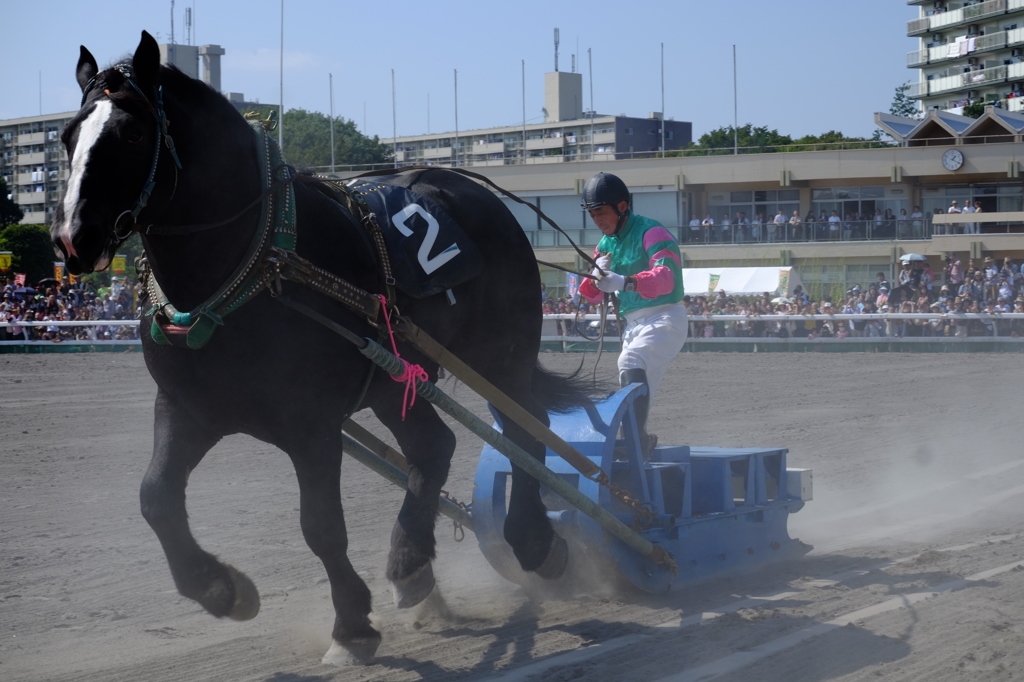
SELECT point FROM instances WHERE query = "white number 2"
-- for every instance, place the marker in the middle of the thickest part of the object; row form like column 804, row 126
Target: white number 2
column 428, row 264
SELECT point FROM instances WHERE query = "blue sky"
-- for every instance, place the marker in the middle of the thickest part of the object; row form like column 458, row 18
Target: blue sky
column 805, row 66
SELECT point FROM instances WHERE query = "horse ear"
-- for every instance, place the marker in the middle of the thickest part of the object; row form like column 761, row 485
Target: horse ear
column 86, row 69
column 146, row 64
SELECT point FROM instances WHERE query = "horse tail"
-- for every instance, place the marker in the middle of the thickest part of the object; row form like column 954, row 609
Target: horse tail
column 562, row 393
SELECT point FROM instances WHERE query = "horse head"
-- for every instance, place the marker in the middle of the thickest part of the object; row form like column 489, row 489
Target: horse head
column 110, row 145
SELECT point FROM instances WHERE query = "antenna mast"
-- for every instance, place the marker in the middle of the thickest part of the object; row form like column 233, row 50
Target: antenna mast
column 556, row 48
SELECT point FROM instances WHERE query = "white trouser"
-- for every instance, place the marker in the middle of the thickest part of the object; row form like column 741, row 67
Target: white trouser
column 652, row 338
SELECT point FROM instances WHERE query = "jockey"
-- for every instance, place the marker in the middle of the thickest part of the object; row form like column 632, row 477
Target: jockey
column 641, row 262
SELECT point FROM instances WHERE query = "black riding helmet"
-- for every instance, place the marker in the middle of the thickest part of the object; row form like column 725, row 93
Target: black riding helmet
column 604, row 189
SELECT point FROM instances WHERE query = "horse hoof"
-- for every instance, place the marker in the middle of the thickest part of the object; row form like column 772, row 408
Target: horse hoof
column 410, row 591
column 558, row 558
column 357, row 651
column 247, row 599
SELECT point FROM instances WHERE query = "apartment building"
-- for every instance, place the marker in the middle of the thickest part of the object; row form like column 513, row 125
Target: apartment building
column 34, row 164
column 33, row 161
column 567, row 134
column 969, row 51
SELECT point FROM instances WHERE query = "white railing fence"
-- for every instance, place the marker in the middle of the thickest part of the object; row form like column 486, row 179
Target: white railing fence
column 95, row 335
column 1000, row 328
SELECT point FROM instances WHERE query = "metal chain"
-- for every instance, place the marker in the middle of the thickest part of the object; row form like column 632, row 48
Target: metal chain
column 458, row 530
column 643, row 516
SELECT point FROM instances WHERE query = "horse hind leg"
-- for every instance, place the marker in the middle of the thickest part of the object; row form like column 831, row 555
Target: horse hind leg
column 428, row 445
column 179, row 445
column 317, row 463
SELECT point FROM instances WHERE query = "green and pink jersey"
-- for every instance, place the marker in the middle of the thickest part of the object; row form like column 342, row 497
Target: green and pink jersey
column 646, row 251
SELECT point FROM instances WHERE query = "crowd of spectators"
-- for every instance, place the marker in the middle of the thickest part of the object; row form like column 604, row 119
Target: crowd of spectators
column 987, row 287
column 67, row 302
column 738, row 228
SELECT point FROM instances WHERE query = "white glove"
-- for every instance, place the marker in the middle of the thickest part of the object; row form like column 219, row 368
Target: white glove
column 603, row 263
column 611, row 283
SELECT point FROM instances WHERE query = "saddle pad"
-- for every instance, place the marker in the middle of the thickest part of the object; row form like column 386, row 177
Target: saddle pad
column 429, row 251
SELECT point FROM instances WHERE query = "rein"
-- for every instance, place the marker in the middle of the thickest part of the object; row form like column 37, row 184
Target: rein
column 162, row 136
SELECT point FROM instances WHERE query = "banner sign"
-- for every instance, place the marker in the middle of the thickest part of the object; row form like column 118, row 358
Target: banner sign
column 783, row 282
column 713, row 282
column 117, row 265
column 58, row 270
column 72, row 279
column 572, row 285
column 5, row 260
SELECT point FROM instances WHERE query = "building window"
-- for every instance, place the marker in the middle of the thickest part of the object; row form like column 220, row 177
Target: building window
column 628, row 131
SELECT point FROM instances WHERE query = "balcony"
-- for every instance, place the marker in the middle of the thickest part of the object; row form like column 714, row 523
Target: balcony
column 486, row 148
column 969, row 14
column 31, row 159
column 983, row 10
column 1015, row 104
column 918, row 57
column 916, row 27
column 919, row 89
column 438, row 153
column 972, row 79
column 545, row 143
column 31, row 138
column 29, row 199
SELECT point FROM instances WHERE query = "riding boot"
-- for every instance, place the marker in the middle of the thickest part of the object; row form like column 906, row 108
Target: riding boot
column 641, row 407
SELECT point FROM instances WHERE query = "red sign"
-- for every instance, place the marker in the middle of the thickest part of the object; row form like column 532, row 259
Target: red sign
column 19, row 280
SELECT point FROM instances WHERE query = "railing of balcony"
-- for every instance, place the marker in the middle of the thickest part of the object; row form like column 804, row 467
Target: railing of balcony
column 946, row 19
column 919, row 89
column 984, row 9
column 967, row 80
column 917, row 57
column 921, row 25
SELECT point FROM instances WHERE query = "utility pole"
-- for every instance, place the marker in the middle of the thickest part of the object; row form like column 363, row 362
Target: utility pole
column 330, row 77
column 456, row 117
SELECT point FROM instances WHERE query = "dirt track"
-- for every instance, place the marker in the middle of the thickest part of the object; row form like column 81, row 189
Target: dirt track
column 919, row 483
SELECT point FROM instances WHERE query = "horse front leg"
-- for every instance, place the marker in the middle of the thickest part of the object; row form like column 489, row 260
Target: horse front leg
column 180, row 442
column 528, row 529
column 317, row 461
column 428, row 445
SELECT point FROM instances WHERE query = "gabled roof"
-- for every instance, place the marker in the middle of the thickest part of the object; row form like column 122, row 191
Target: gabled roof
column 898, row 127
column 951, row 122
column 1010, row 120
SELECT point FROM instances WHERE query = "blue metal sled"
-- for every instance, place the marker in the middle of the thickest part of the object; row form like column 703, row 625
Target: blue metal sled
column 716, row 510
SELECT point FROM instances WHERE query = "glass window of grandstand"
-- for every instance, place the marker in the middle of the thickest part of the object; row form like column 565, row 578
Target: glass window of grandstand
column 991, row 198
column 753, row 204
column 661, row 206
column 864, row 213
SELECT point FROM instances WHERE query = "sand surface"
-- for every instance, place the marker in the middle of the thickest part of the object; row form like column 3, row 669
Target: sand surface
column 917, row 571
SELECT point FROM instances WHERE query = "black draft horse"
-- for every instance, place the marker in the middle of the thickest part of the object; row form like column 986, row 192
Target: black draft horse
column 273, row 373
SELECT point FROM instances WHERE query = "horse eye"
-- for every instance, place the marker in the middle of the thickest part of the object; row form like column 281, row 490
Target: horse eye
column 134, row 137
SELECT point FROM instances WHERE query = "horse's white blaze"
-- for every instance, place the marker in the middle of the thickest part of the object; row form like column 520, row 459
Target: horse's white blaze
column 88, row 134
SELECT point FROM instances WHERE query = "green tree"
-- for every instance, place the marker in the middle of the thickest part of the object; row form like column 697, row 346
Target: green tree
column 975, row 109
column 748, row 138
column 833, row 140
column 307, row 141
column 902, row 105
column 31, row 249
column 9, row 211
